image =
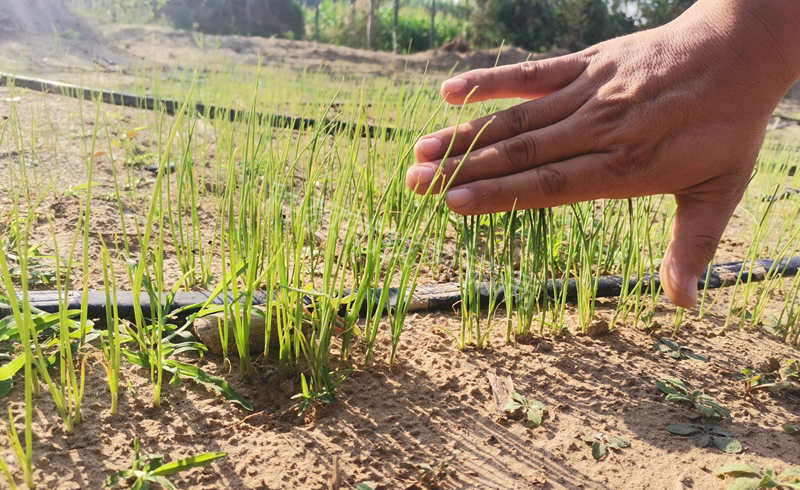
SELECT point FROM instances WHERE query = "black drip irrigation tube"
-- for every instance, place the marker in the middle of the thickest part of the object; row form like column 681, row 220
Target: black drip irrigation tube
column 785, row 122
column 437, row 297
column 172, row 106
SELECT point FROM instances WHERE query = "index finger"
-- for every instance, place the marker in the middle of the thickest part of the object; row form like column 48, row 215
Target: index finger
column 529, row 79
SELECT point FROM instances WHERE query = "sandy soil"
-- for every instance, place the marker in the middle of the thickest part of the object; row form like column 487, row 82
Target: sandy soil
column 433, row 407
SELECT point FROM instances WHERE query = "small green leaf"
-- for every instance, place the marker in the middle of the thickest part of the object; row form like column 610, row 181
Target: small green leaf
column 719, row 431
column 599, row 450
column 706, row 411
column 694, row 356
column 702, row 440
column 367, row 485
column 791, row 429
column 790, row 475
column 719, row 409
column 677, row 398
column 618, row 442
column 538, row 405
column 153, row 461
column 187, row 463
column 217, row 384
column 118, row 476
column 727, row 444
column 737, row 470
column 9, row 370
column 672, row 386
column 535, row 416
column 745, row 484
column 669, row 343
column 767, row 481
column 512, row 407
column 518, row 398
column 682, row 429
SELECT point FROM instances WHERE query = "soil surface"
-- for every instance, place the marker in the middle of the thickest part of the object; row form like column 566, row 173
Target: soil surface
column 395, row 426
column 435, row 407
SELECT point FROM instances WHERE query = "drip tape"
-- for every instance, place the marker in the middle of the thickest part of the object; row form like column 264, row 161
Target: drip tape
column 172, row 107
column 430, row 298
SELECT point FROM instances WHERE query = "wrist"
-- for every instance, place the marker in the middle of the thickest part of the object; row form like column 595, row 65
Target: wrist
column 763, row 34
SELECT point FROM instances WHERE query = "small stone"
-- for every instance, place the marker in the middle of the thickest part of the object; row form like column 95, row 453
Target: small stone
column 770, row 365
column 207, row 329
column 544, row 346
column 598, row 328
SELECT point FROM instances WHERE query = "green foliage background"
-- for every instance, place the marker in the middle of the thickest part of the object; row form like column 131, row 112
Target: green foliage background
column 247, row 17
column 341, row 24
column 536, row 25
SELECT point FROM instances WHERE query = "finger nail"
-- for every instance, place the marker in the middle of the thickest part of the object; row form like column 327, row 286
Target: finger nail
column 454, row 86
column 428, row 147
column 458, row 198
column 420, row 175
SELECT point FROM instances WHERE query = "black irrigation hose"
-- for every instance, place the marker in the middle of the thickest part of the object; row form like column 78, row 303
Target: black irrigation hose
column 172, row 106
column 437, row 297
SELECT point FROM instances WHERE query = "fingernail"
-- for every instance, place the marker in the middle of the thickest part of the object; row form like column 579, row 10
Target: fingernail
column 420, row 175
column 454, row 86
column 458, row 198
column 428, row 147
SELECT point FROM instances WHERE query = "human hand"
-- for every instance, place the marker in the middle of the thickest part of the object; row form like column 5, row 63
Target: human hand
column 676, row 110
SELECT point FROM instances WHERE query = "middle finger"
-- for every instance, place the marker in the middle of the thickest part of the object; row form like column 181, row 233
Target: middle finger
column 560, row 141
column 507, row 123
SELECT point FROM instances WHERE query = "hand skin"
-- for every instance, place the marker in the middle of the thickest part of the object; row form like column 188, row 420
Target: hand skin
column 680, row 109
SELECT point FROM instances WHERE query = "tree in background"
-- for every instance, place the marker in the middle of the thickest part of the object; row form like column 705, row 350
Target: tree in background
column 405, row 29
column 395, row 21
column 657, row 12
column 586, row 22
column 432, row 36
column 371, row 7
column 245, row 17
column 531, row 24
column 541, row 25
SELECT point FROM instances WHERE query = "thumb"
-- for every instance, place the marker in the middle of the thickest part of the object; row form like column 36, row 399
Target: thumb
column 698, row 227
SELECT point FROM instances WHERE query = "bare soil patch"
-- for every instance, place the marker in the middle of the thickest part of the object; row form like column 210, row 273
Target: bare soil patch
column 435, row 406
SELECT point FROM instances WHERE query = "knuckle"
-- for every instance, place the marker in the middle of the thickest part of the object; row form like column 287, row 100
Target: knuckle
column 520, row 152
column 452, row 166
column 516, row 120
column 528, row 72
column 631, row 161
column 610, row 111
column 550, row 180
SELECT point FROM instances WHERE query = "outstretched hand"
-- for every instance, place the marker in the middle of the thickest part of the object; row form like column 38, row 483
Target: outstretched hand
column 680, row 109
